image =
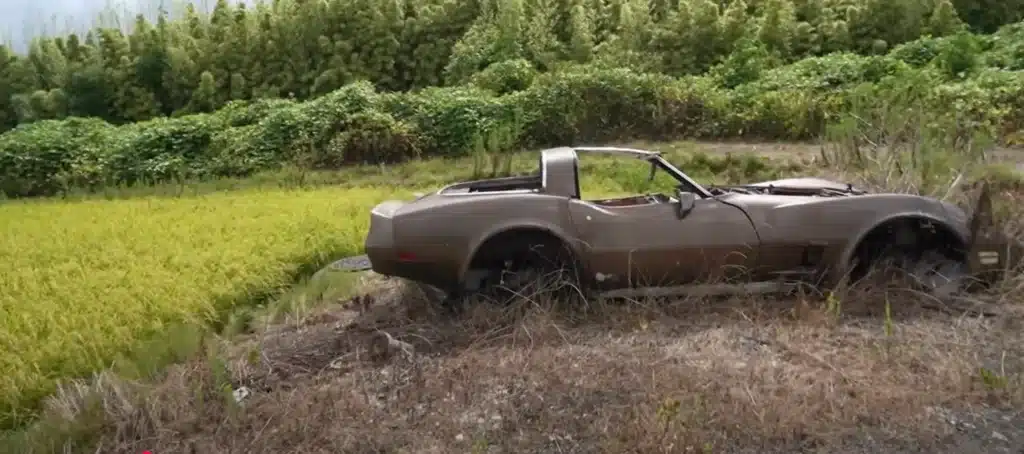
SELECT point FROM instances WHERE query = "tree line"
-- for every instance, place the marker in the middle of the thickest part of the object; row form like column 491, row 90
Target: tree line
column 303, row 49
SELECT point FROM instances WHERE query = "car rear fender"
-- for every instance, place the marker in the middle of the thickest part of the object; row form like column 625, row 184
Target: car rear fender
column 518, row 224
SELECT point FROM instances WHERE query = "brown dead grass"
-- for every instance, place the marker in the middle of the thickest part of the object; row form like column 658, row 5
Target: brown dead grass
column 686, row 376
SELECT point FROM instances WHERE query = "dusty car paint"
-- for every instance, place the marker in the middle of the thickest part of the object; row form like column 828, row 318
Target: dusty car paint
column 799, row 228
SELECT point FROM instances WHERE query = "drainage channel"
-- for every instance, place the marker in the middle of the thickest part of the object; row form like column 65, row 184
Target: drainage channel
column 345, row 265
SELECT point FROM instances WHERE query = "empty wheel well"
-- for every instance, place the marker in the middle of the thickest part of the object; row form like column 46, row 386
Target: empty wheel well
column 519, row 243
column 910, row 237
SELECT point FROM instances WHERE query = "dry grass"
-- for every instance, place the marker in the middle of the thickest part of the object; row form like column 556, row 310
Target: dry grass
column 684, row 376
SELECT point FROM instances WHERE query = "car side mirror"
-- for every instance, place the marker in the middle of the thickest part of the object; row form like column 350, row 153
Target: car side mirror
column 687, row 200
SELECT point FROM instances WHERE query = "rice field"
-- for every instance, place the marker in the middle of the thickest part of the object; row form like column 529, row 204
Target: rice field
column 83, row 282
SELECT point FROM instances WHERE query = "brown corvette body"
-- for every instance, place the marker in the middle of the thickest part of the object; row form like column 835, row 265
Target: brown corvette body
column 801, row 229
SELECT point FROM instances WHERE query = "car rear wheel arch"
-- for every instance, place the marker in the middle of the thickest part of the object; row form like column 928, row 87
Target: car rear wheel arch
column 523, row 243
column 915, row 237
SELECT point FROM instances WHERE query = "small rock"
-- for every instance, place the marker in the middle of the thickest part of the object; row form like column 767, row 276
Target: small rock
column 241, row 393
column 999, row 436
column 383, row 346
column 460, row 437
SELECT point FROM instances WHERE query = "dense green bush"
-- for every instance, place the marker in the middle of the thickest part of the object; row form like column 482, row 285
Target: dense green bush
column 1005, row 48
column 47, row 157
column 830, row 72
column 368, row 137
column 244, row 113
column 583, row 105
column 164, row 149
column 453, row 120
column 297, row 128
column 507, row 106
column 506, row 76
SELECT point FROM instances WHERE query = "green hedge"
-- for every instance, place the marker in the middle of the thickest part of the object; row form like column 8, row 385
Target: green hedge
column 512, row 107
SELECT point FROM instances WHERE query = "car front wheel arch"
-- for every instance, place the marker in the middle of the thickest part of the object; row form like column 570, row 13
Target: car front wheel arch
column 918, row 245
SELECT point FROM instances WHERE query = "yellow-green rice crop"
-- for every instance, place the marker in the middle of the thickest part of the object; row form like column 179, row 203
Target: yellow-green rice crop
column 82, row 282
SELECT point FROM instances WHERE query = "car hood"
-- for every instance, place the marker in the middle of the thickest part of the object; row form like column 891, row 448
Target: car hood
column 955, row 214
column 796, row 206
column 803, row 183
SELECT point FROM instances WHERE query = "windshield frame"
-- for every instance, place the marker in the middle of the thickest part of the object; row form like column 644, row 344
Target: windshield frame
column 685, row 182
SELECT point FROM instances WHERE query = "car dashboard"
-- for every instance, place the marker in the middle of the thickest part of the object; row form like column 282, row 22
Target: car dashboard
column 646, row 199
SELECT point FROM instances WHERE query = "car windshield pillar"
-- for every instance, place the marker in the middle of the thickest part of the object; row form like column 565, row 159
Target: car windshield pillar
column 684, row 180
